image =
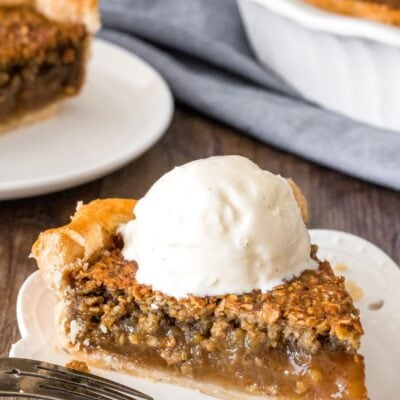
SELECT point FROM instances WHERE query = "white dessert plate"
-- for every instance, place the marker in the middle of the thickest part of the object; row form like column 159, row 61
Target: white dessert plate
column 365, row 266
column 124, row 108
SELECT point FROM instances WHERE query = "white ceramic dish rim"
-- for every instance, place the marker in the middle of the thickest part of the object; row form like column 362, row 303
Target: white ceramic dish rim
column 316, row 19
column 54, row 183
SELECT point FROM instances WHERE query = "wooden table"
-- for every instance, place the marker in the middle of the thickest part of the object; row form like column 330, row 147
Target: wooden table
column 336, row 201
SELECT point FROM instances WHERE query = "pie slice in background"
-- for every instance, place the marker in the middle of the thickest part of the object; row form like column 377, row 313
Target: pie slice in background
column 44, row 49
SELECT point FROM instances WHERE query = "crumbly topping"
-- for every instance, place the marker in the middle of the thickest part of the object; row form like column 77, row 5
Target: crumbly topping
column 312, row 309
column 79, row 366
column 26, row 35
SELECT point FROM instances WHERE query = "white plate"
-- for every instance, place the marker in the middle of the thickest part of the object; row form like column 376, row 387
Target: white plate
column 317, row 53
column 124, row 109
column 373, row 271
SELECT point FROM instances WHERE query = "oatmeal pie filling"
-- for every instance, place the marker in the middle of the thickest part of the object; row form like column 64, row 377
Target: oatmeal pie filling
column 41, row 61
column 265, row 343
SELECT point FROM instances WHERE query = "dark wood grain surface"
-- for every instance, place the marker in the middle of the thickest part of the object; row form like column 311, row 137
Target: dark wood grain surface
column 336, row 201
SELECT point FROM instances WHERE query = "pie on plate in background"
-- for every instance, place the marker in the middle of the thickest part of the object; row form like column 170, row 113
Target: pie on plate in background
column 386, row 11
column 45, row 46
column 131, row 298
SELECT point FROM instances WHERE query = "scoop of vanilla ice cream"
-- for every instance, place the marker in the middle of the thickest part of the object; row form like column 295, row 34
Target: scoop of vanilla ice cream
column 217, row 226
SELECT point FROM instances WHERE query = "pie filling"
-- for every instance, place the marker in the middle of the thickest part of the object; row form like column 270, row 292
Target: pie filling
column 40, row 61
column 108, row 310
column 388, row 3
column 385, row 11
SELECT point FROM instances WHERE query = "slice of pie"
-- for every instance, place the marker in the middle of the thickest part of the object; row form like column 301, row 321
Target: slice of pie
column 297, row 341
column 385, row 11
column 44, row 48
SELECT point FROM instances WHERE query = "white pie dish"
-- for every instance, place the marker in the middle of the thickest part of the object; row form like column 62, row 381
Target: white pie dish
column 373, row 271
column 348, row 65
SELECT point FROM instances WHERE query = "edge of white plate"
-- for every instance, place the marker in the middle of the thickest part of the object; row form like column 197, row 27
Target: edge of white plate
column 38, row 186
column 334, row 238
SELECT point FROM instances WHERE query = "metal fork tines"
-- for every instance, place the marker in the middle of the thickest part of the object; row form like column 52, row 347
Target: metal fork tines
column 29, row 378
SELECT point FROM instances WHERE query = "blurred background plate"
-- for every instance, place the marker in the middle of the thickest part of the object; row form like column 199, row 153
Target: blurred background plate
column 124, row 108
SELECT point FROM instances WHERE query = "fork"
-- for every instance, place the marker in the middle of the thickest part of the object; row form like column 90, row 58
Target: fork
column 21, row 377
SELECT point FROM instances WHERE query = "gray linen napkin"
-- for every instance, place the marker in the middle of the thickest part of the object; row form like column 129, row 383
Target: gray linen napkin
column 200, row 47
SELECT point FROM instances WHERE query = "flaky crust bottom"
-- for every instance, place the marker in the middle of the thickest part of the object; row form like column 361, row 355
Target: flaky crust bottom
column 31, row 118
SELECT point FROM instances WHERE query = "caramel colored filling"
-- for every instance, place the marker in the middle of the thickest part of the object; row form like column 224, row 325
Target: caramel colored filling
column 40, row 61
column 238, row 361
column 112, row 314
